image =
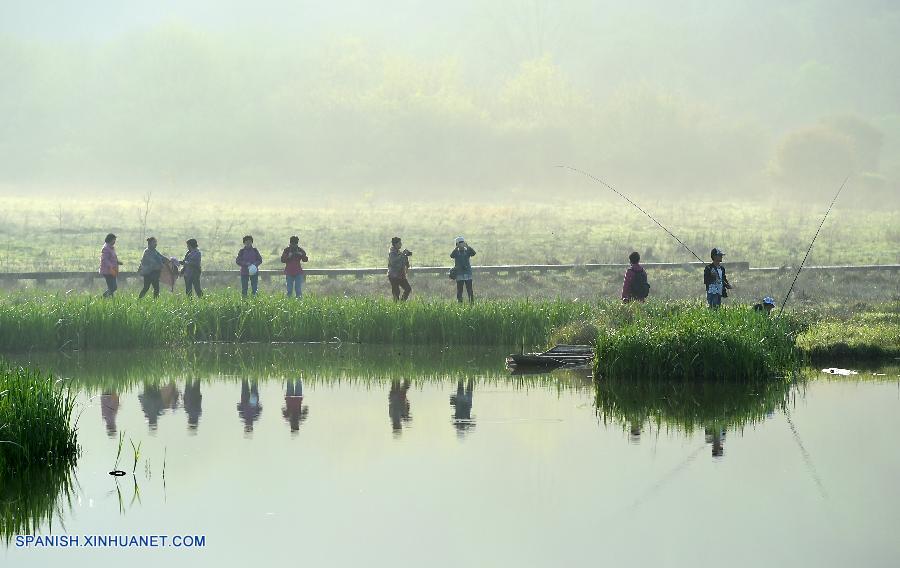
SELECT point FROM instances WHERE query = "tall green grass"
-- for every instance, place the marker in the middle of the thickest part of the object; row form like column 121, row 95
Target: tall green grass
column 690, row 342
column 38, row 448
column 81, row 321
column 36, row 427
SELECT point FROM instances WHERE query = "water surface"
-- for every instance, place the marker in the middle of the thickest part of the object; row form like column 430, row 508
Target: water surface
column 441, row 458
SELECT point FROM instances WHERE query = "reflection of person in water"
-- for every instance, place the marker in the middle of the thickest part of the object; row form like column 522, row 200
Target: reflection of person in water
column 155, row 400
column 462, row 407
column 109, row 407
column 294, row 411
column 634, row 433
column 249, row 407
column 192, row 403
column 398, row 405
column 716, row 437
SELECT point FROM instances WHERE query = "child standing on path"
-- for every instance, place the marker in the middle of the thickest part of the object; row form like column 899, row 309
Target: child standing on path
column 714, row 279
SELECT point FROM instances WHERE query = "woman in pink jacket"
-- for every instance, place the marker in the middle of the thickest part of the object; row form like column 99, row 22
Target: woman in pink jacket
column 109, row 265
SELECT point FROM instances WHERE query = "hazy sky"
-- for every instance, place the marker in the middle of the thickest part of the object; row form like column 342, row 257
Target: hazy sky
column 353, row 95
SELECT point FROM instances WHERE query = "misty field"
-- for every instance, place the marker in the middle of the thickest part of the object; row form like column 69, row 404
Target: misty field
column 67, row 234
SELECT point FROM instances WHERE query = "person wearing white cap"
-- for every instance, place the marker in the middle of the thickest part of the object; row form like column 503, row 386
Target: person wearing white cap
column 462, row 268
column 714, row 279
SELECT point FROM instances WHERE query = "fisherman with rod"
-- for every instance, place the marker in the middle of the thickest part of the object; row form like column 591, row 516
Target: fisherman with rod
column 713, row 271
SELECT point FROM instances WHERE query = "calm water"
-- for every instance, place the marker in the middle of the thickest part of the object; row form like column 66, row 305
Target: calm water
column 375, row 466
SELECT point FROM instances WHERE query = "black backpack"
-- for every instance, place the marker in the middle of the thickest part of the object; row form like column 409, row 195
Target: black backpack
column 640, row 288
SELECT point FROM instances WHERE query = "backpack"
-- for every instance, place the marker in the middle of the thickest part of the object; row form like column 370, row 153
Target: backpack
column 640, row 288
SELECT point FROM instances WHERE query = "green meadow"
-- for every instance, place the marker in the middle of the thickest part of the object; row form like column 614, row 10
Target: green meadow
column 67, row 234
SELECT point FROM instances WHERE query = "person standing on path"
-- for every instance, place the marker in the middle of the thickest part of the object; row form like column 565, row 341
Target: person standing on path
column 294, row 278
column 151, row 267
column 714, row 279
column 461, row 256
column 249, row 259
column 109, row 265
column 191, row 270
column 635, row 286
column 398, row 267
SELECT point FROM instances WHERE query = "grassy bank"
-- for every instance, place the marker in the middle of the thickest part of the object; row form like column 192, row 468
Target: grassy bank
column 88, row 322
column 871, row 335
column 635, row 340
column 826, row 334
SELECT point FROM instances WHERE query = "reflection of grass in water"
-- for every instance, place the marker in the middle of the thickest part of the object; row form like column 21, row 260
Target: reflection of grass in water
column 323, row 364
column 689, row 405
column 89, row 322
column 680, row 341
column 28, row 502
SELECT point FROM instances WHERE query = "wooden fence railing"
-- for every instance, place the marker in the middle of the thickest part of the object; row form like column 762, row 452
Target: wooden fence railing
column 506, row 269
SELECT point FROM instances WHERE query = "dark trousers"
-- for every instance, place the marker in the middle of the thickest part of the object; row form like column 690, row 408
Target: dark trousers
column 151, row 279
column 396, row 284
column 459, row 288
column 253, row 281
column 192, row 280
column 111, row 285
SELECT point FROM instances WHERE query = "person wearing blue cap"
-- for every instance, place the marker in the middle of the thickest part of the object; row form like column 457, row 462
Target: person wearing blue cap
column 714, row 279
column 767, row 305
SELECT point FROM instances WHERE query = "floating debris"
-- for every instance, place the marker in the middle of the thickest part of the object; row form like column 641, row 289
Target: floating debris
column 836, row 371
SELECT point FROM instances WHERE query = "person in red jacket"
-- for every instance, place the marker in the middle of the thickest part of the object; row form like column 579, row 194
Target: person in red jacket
column 294, row 278
column 635, row 287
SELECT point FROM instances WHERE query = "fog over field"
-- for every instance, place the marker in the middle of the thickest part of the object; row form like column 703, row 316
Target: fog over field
column 473, row 99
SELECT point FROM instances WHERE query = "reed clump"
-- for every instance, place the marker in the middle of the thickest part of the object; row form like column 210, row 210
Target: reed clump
column 36, row 429
column 681, row 341
column 38, row 448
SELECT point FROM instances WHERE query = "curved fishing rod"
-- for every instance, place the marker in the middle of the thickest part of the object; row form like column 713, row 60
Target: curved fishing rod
column 625, row 197
column 794, row 281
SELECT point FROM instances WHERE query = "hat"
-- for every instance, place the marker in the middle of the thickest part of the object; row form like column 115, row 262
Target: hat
column 769, row 300
column 716, row 252
column 460, row 240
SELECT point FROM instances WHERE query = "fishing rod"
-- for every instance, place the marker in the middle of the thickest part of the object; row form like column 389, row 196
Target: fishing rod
column 626, row 198
column 794, row 281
